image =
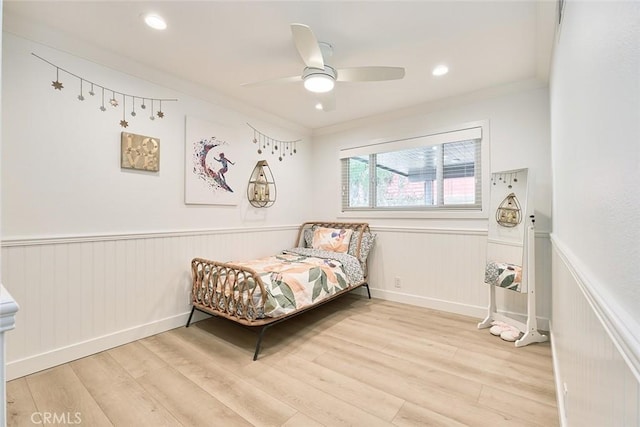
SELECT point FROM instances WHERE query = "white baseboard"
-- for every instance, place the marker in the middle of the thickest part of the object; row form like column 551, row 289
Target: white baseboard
column 450, row 306
column 436, row 304
column 39, row 362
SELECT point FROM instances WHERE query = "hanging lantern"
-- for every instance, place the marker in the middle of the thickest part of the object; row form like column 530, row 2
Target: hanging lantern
column 261, row 190
column 509, row 213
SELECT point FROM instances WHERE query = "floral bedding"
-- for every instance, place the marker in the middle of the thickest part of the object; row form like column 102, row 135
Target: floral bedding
column 301, row 277
column 350, row 264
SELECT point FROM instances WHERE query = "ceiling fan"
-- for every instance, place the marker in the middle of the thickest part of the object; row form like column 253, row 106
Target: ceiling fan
column 319, row 77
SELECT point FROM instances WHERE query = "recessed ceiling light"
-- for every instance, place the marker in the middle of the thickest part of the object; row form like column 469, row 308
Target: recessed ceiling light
column 440, row 70
column 155, row 21
column 319, row 106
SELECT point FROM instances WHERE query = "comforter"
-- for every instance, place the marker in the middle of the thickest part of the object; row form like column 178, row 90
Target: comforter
column 301, row 277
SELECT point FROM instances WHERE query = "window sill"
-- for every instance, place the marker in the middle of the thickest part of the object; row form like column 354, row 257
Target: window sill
column 408, row 214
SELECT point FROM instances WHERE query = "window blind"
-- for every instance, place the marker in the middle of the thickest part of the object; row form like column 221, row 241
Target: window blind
column 418, row 141
column 438, row 171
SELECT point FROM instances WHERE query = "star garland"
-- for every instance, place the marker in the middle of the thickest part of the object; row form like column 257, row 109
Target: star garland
column 277, row 146
column 113, row 101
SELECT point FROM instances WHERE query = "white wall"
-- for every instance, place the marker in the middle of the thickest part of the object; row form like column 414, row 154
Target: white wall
column 441, row 261
column 596, row 100
column 518, row 117
column 97, row 255
column 61, row 157
column 79, row 296
column 595, row 107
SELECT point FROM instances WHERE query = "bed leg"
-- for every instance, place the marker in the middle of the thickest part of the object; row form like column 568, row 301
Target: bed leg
column 190, row 316
column 255, row 355
column 366, row 285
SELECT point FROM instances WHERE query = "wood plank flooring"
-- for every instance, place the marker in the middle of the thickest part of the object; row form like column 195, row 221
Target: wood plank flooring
column 354, row 361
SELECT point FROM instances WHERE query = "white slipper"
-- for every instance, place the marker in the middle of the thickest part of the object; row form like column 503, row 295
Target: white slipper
column 498, row 327
column 510, row 334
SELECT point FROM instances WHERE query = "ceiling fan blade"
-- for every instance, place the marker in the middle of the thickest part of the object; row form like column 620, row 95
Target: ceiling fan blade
column 369, row 74
column 326, row 101
column 307, row 46
column 292, row 79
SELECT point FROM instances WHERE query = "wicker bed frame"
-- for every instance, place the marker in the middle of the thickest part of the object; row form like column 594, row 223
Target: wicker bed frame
column 240, row 306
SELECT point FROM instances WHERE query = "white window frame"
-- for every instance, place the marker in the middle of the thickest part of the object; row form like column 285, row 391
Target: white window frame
column 432, row 137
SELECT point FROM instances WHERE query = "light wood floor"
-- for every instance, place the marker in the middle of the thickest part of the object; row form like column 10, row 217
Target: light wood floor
column 353, row 361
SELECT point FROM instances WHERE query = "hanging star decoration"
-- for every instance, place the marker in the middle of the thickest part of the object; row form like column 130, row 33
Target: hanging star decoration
column 160, row 113
column 265, row 141
column 123, row 123
column 56, row 83
column 113, row 101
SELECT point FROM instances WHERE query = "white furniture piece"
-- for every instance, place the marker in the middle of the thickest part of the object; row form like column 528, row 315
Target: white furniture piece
column 8, row 310
column 513, row 242
column 530, row 329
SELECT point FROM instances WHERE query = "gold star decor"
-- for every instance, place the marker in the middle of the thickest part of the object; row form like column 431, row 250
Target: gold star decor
column 56, row 84
column 113, row 101
column 124, row 122
column 160, row 113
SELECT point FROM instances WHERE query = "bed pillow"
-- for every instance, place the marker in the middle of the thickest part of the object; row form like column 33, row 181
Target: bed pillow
column 366, row 245
column 308, row 237
column 331, row 239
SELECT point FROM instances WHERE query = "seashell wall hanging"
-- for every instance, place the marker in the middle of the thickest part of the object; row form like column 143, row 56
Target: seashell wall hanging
column 509, row 213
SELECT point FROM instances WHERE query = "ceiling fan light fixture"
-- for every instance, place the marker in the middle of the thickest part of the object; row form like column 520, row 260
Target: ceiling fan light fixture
column 319, row 83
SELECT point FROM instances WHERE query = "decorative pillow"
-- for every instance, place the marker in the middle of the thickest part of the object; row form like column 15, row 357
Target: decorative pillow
column 504, row 275
column 331, row 239
column 308, row 237
column 366, row 245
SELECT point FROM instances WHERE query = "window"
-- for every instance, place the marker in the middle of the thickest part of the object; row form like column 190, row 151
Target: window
column 434, row 172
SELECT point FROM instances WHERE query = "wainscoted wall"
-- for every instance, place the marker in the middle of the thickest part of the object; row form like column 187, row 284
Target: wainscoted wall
column 81, row 295
column 444, row 269
column 596, row 369
column 596, row 292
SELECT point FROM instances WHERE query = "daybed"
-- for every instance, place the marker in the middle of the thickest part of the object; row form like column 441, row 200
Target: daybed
column 328, row 260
